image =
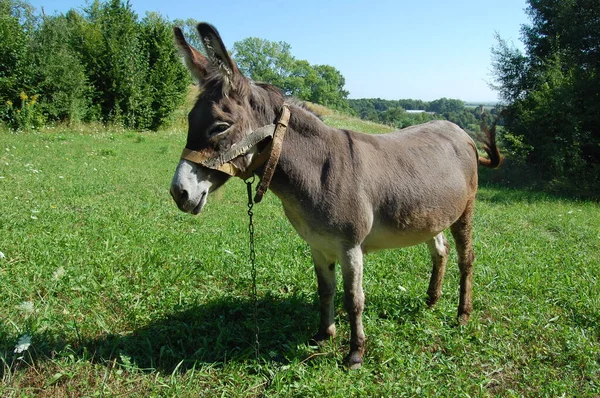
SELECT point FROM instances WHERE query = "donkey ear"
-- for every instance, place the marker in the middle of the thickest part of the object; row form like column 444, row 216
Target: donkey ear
column 218, row 55
column 194, row 60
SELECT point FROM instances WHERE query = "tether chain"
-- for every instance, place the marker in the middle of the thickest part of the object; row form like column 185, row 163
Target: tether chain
column 253, row 267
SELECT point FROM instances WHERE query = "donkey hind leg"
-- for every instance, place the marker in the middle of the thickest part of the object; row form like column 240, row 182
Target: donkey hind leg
column 439, row 249
column 461, row 231
column 354, row 300
column 325, row 270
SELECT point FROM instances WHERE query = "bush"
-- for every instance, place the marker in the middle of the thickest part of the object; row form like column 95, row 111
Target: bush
column 100, row 65
column 15, row 65
column 551, row 91
column 168, row 79
column 59, row 76
column 25, row 116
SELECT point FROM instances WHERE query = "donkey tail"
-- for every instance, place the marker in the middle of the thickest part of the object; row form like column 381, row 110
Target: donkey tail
column 488, row 144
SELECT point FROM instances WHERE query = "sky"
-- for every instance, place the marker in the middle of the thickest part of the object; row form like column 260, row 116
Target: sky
column 390, row 49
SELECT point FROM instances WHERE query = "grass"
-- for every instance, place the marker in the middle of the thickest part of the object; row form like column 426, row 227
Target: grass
column 122, row 294
column 344, row 121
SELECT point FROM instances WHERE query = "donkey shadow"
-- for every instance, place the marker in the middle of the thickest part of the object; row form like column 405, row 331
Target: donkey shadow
column 224, row 331
column 215, row 333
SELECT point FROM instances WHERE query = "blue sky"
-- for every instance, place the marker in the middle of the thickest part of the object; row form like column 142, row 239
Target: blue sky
column 388, row 49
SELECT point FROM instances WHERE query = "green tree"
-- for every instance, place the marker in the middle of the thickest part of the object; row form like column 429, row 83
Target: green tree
column 100, row 64
column 391, row 112
column 16, row 21
column 123, row 80
column 329, row 88
column 167, row 77
column 446, row 105
column 301, row 81
column 551, row 90
column 59, row 77
column 273, row 62
column 265, row 61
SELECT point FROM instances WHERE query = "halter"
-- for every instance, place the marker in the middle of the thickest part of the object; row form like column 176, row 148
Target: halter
column 222, row 162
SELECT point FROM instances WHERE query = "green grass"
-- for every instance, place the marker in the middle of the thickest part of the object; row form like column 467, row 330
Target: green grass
column 344, row 121
column 125, row 295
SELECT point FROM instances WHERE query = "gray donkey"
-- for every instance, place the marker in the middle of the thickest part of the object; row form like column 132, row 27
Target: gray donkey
column 344, row 192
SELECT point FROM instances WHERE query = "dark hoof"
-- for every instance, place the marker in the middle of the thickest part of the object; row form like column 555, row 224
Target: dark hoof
column 463, row 319
column 354, row 360
column 432, row 300
column 319, row 339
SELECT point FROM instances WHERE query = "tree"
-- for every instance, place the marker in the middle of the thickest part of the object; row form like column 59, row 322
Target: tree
column 100, row 64
column 391, row 112
column 167, row 78
column 273, row 62
column 16, row 20
column 446, row 105
column 551, row 91
column 329, row 88
column 265, row 61
column 123, row 80
column 59, row 77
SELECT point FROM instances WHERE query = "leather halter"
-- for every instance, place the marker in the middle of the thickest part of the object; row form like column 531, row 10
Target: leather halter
column 222, row 161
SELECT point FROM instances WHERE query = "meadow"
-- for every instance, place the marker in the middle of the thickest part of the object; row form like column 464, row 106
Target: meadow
column 107, row 289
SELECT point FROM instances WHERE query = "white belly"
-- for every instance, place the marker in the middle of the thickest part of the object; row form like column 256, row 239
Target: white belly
column 386, row 238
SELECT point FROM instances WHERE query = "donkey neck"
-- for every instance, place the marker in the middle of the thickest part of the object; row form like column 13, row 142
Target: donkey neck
column 305, row 128
column 309, row 148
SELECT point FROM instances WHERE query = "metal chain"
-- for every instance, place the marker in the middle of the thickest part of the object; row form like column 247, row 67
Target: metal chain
column 253, row 267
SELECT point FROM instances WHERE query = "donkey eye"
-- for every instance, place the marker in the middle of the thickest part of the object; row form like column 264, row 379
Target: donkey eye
column 218, row 128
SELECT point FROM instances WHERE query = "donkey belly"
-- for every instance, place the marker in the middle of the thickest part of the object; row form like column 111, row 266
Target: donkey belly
column 387, row 238
column 319, row 236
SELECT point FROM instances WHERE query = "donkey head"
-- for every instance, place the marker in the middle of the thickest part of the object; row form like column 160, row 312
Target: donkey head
column 224, row 113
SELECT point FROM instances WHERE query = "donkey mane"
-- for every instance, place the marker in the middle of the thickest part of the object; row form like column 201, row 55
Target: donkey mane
column 276, row 91
column 265, row 98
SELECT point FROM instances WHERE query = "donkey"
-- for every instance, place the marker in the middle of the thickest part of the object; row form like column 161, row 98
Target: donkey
column 345, row 193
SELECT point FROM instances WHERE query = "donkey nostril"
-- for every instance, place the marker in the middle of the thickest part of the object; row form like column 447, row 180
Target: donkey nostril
column 183, row 195
column 179, row 194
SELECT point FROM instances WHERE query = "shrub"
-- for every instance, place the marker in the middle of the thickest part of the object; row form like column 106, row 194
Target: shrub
column 168, row 79
column 100, row 65
column 59, row 76
column 15, row 65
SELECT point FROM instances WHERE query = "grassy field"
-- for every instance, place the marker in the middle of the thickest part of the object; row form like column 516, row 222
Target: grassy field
column 118, row 293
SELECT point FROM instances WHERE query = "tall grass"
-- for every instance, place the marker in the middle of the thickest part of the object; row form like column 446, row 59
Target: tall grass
column 122, row 294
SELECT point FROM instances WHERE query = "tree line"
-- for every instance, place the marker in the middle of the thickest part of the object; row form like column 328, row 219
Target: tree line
column 395, row 112
column 273, row 62
column 552, row 91
column 100, row 64
column 105, row 64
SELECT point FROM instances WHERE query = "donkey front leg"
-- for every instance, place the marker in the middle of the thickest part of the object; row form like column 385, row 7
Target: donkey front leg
column 325, row 270
column 354, row 301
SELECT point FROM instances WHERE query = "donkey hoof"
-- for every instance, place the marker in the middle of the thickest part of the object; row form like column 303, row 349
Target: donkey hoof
column 319, row 339
column 354, row 360
column 432, row 300
column 463, row 319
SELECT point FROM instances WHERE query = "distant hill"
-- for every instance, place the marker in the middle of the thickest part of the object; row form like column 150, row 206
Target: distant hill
column 406, row 112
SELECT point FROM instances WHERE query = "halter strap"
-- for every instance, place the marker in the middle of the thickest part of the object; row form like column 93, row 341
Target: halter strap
column 208, row 157
column 275, row 150
column 222, row 162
